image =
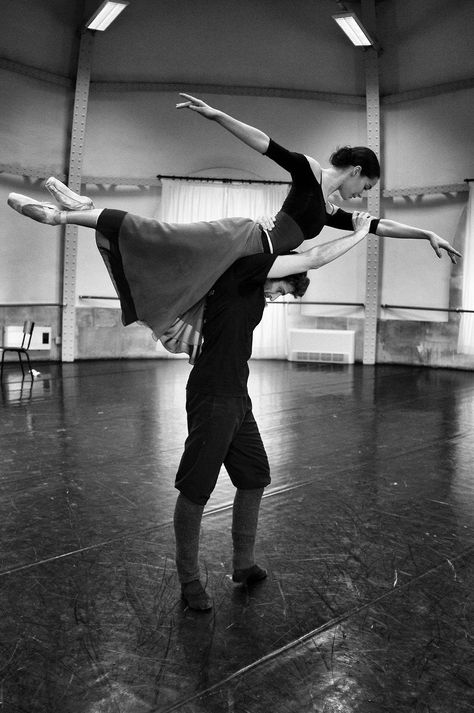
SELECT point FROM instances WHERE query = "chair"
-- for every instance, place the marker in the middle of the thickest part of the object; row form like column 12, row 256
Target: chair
column 28, row 327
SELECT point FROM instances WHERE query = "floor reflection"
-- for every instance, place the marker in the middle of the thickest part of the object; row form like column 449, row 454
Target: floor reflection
column 367, row 532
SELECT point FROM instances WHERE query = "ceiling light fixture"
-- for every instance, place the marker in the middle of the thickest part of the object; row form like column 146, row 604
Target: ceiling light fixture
column 354, row 29
column 106, row 14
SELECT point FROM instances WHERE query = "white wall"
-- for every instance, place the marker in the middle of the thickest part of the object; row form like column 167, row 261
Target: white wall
column 34, row 124
column 141, row 133
column 426, row 142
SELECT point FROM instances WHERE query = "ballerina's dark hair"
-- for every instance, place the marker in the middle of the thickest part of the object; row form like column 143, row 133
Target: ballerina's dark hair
column 357, row 156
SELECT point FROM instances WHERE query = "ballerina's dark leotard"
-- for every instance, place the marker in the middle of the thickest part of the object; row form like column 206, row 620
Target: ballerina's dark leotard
column 163, row 271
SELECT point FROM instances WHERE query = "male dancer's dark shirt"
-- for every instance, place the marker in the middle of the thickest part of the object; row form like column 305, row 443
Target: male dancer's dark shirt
column 234, row 307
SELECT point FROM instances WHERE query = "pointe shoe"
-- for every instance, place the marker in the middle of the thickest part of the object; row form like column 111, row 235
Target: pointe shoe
column 66, row 198
column 41, row 212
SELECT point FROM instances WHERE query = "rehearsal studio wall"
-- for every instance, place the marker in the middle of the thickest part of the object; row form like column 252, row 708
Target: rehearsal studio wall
column 426, row 141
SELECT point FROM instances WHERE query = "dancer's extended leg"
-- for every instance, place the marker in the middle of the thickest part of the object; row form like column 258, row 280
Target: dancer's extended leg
column 50, row 214
column 86, row 218
column 77, row 209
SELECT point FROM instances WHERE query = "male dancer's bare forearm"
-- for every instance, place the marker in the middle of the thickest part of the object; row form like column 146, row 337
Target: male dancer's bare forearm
column 331, row 250
column 316, row 257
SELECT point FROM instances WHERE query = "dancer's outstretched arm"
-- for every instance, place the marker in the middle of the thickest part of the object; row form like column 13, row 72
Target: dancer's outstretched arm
column 251, row 136
column 392, row 229
column 320, row 255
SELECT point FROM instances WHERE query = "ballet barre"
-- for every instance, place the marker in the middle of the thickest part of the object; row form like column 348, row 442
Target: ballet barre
column 360, row 305
column 430, row 309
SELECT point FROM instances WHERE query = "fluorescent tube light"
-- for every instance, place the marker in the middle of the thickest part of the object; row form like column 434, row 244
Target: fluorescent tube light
column 354, row 29
column 106, row 14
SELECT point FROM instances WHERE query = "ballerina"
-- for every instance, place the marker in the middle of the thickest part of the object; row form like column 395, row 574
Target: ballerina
column 162, row 272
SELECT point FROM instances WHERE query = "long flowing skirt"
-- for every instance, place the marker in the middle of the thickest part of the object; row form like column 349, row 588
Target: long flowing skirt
column 163, row 271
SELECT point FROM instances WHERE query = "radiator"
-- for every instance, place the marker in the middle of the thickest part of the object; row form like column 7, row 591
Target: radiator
column 335, row 346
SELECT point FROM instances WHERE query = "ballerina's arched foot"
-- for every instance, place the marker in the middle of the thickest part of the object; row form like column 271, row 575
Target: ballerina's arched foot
column 42, row 212
column 66, row 198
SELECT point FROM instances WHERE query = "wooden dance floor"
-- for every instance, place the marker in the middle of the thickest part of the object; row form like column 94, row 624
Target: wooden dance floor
column 367, row 531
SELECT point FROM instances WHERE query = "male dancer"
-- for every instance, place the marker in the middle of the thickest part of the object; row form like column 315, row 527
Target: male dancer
column 221, row 427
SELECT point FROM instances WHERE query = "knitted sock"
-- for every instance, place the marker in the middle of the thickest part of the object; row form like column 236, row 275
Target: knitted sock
column 187, row 527
column 244, row 526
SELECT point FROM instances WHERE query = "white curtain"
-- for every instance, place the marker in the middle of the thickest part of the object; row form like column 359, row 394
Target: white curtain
column 188, row 201
column 466, row 325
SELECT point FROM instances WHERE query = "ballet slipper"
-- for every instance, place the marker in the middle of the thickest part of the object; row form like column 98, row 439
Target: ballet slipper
column 196, row 596
column 66, row 198
column 251, row 575
column 41, row 212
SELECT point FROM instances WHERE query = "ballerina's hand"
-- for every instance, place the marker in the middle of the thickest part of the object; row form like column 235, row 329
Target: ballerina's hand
column 267, row 222
column 439, row 244
column 197, row 105
column 361, row 221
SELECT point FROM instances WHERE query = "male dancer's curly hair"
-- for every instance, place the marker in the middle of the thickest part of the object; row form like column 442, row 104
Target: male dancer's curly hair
column 299, row 283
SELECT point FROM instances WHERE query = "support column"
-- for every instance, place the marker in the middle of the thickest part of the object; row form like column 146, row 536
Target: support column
column 76, row 156
column 374, row 251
